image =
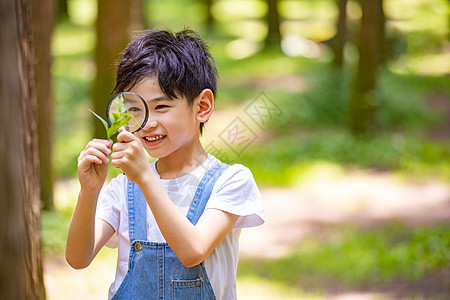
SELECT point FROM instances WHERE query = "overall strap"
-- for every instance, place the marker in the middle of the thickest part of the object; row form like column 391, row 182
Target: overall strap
column 137, row 213
column 203, row 192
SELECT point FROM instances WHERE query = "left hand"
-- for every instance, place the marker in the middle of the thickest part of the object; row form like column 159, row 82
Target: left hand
column 129, row 156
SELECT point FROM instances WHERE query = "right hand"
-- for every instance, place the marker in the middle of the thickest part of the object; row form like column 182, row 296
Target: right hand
column 93, row 165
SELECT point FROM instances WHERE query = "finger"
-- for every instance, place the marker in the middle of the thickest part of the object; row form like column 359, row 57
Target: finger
column 102, row 145
column 88, row 160
column 107, row 143
column 117, row 147
column 96, row 148
column 99, row 154
column 125, row 137
column 119, row 162
column 103, row 141
column 117, row 155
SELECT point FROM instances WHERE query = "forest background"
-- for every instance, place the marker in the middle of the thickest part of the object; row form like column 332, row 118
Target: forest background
column 307, row 89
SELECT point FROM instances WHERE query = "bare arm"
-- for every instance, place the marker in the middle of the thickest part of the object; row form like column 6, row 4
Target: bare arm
column 87, row 235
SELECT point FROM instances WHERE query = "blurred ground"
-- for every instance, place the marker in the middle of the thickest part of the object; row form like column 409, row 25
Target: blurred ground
column 363, row 199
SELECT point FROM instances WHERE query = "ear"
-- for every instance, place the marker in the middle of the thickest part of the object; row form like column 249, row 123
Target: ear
column 205, row 105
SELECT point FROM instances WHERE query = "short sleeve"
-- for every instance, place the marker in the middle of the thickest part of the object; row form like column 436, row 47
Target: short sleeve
column 109, row 203
column 236, row 192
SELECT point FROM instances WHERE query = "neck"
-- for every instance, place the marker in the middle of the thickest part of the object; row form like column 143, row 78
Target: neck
column 181, row 162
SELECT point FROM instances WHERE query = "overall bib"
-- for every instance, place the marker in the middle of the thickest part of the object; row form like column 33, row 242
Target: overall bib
column 154, row 271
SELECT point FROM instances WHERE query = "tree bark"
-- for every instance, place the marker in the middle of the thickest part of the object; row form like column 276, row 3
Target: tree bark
column 340, row 38
column 273, row 39
column 363, row 102
column 62, row 8
column 21, row 275
column 383, row 55
column 209, row 16
column 138, row 16
column 112, row 36
column 42, row 33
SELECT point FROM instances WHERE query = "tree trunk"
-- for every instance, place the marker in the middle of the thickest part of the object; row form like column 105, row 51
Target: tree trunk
column 62, row 8
column 209, row 17
column 340, row 38
column 112, row 36
column 42, row 33
column 273, row 39
column 363, row 102
column 21, row 275
column 383, row 55
column 138, row 16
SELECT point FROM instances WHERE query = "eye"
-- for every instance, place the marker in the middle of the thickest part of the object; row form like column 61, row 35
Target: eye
column 134, row 109
column 161, row 106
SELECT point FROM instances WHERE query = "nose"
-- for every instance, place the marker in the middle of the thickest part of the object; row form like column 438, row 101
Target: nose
column 150, row 124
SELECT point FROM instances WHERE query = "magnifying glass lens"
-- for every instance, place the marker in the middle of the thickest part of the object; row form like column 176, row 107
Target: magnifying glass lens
column 128, row 108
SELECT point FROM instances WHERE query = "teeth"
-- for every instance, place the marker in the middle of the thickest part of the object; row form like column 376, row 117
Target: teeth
column 155, row 138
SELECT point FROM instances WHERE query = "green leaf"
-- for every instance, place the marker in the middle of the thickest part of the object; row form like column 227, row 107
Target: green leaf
column 115, row 126
column 124, row 122
column 120, row 119
column 116, row 117
column 113, row 129
column 101, row 119
column 130, row 115
column 121, row 107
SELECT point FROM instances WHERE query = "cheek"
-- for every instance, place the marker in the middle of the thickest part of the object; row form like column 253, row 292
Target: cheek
column 180, row 121
column 184, row 118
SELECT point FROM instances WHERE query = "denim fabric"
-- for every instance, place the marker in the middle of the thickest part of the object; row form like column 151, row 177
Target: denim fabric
column 154, row 271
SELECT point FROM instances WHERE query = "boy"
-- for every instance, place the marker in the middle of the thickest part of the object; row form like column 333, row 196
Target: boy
column 176, row 222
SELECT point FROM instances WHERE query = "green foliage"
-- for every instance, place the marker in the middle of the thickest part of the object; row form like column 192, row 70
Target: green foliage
column 54, row 227
column 103, row 122
column 399, row 100
column 320, row 109
column 326, row 103
column 402, row 103
column 357, row 258
column 291, row 156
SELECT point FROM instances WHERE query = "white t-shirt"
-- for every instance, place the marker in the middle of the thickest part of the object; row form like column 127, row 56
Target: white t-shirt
column 235, row 192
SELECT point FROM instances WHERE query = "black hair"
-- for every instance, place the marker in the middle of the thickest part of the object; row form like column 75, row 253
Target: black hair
column 181, row 62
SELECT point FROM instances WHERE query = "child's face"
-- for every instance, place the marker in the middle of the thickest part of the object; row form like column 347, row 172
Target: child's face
column 172, row 125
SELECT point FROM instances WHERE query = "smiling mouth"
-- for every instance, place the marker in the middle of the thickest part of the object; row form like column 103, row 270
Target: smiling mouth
column 154, row 138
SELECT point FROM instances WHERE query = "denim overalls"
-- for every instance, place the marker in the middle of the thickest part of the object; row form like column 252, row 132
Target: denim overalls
column 154, row 271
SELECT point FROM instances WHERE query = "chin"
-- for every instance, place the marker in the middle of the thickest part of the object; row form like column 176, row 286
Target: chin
column 156, row 154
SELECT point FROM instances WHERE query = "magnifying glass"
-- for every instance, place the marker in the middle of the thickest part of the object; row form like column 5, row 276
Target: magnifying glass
column 129, row 110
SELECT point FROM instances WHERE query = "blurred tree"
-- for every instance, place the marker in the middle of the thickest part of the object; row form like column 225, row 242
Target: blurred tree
column 21, row 273
column 63, row 8
column 138, row 17
column 113, row 21
column 383, row 55
column 363, row 102
column 209, row 16
column 273, row 39
column 42, row 32
column 338, row 42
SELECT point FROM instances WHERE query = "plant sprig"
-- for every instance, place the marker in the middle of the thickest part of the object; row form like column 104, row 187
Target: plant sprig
column 119, row 119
